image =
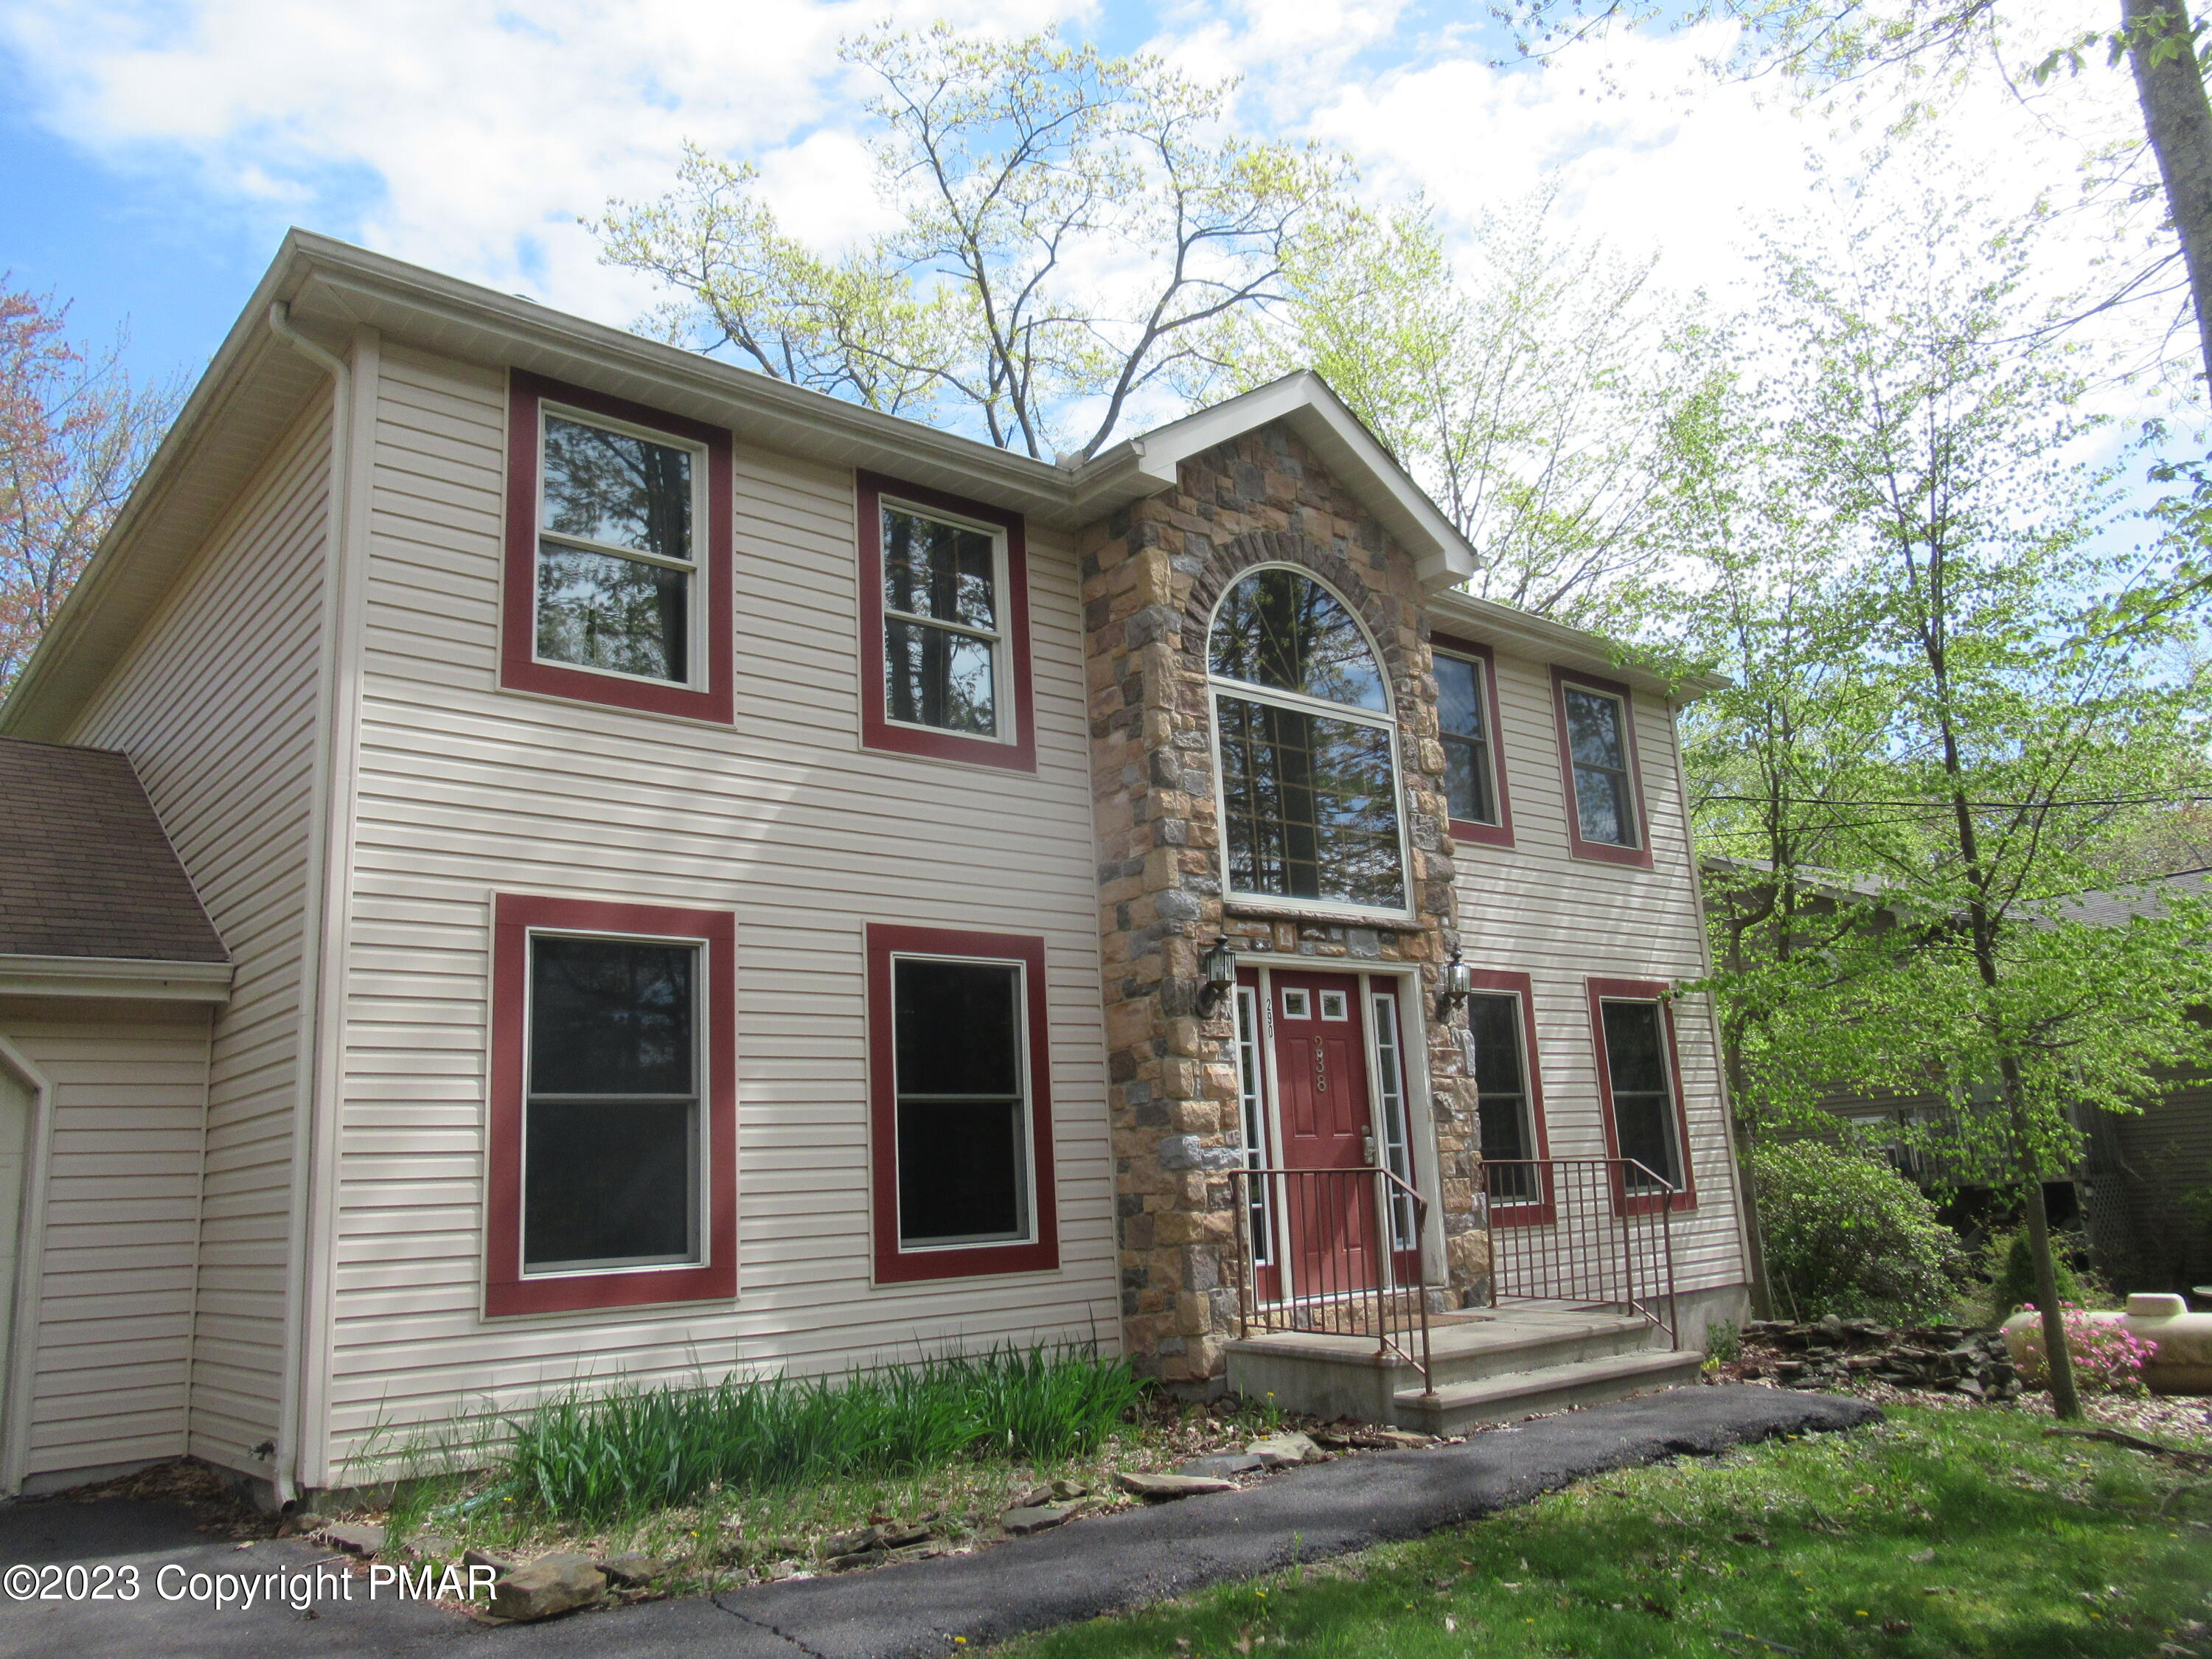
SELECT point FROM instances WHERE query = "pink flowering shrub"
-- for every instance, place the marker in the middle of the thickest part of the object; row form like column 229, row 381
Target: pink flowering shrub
column 2108, row 1358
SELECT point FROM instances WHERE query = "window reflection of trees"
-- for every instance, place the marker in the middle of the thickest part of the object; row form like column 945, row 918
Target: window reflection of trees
column 1311, row 801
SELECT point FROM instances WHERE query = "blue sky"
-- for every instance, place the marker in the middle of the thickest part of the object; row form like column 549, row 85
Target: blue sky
column 153, row 151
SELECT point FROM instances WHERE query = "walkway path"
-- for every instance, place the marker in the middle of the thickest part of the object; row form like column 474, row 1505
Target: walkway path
column 913, row 1609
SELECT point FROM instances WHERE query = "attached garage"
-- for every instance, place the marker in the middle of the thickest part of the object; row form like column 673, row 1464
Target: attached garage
column 110, row 974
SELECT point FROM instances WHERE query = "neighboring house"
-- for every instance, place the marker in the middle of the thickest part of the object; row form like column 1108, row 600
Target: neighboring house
column 695, row 876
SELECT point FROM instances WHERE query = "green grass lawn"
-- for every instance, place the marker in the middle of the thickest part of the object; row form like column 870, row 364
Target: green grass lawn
column 1940, row 1533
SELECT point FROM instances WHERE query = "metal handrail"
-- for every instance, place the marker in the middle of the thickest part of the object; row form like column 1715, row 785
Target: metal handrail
column 1591, row 1230
column 1335, row 1305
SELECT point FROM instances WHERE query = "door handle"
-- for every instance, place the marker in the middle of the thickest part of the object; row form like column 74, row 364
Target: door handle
column 1367, row 1148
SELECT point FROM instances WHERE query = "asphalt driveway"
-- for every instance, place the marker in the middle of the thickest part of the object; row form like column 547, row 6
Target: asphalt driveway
column 1078, row 1571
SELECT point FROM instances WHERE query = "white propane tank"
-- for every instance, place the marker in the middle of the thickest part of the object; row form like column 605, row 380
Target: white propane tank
column 2183, row 1363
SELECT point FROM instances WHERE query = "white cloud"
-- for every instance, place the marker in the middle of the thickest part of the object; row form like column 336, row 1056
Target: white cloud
column 462, row 134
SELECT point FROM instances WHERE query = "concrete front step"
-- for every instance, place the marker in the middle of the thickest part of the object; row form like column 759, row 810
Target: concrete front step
column 1456, row 1408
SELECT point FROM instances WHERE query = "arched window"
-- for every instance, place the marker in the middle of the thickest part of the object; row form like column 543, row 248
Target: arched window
column 1309, row 773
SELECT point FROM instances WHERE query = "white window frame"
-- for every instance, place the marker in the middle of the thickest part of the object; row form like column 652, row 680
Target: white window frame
column 1481, row 679
column 1392, row 1107
column 1218, row 686
column 1004, row 716
column 1671, row 1113
column 1255, row 1127
column 1632, row 802
column 694, row 568
column 1027, row 1162
column 702, row 1128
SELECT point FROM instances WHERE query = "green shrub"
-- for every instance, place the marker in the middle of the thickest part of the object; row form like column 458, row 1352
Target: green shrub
column 1846, row 1234
column 2011, row 1270
column 593, row 1457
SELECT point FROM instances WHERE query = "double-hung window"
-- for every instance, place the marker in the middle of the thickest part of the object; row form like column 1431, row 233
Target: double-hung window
column 1505, row 1108
column 1639, row 1086
column 1474, row 782
column 944, row 606
column 962, row 1136
column 1597, row 755
column 612, row 1112
column 1308, row 749
column 618, row 539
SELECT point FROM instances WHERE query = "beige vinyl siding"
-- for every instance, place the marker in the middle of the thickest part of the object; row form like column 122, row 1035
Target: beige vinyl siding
column 1531, row 909
column 465, row 790
column 114, row 1310
column 215, row 708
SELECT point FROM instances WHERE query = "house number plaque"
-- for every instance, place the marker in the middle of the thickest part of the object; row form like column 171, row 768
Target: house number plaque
column 1320, row 1069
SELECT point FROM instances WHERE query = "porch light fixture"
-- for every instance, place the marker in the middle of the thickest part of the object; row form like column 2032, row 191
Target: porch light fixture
column 1457, row 980
column 1218, row 975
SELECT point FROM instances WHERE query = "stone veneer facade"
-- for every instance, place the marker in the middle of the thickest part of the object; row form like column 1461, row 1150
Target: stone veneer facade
column 1152, row 575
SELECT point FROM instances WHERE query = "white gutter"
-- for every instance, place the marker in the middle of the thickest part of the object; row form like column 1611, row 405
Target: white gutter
column 314, row 1115
column 135, row 978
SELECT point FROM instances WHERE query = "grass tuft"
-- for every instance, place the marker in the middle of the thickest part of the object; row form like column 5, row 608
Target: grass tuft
column 592, row 1458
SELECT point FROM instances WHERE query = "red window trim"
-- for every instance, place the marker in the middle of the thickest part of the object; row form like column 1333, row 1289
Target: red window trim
column 896, row 1267
column 518, row 668
column 1601, row 852
column 1601, row 991
column 506, row 1289
column 1544, row 1212
column 1499, row 834
column 878, row 731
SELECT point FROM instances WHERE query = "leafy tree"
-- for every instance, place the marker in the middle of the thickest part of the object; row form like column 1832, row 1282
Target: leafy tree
column 1074, row 243
column 2030, row 714
column 75, row 434
column 1529, row 388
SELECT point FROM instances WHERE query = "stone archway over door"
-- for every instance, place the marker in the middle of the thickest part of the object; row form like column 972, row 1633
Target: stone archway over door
column 15, row 1172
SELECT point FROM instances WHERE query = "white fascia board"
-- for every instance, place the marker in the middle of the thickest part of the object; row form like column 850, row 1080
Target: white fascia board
column 1525, row 634
column 1145, row 465
column 132, row 977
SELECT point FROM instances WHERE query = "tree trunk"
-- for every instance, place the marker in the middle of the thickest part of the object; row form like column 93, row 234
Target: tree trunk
column 2179, row 121
column 2065, row 1399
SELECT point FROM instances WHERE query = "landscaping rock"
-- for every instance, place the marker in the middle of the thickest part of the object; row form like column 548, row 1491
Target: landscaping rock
column 1158, row 1487
column 1033, row 1498
column 1946, row 1358
column 498, row 1564
column 362, row 1538
column 1065, row 1490
column 858, row 1541
column 1036, row 1517
column 1222, row 1465
column 632, row 1570
column 1279, row 1448
column 554, row 1585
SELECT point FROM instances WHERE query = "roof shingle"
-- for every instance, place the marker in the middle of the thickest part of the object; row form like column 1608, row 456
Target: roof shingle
column 85, row 868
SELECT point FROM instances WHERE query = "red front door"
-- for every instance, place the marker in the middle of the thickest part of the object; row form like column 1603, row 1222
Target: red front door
column 1320, row 1069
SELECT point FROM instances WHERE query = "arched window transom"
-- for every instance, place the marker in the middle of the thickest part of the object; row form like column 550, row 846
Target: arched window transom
column 1309, row 755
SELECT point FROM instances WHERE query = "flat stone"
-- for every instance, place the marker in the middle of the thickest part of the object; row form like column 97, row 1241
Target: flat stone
column 1222, row 1465
column 856, row 1542
column 546, row 1587
column 1158, row 1487
column 1036, row 1517
column 631, row 1569
column 1279, row 1448
column 355, row 1537
column 499, row 1564
column 1064, row 1490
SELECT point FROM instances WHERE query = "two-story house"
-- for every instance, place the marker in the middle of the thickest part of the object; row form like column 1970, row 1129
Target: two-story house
column 533, row 857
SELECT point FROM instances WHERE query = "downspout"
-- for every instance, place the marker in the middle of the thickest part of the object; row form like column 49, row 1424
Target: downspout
column 306, row 1142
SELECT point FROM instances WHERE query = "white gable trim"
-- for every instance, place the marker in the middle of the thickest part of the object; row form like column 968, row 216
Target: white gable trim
column 1146, row 464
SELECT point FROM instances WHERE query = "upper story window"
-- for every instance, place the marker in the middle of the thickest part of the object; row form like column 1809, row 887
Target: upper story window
column 1309, row 751
column 1474, row 779
column 945, row 612
column 1597, row 754
column 615, row 562
column 619, row 581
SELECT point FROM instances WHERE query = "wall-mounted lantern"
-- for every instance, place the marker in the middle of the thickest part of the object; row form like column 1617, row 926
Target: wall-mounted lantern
column 1456, row 981
column 1217, row 972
